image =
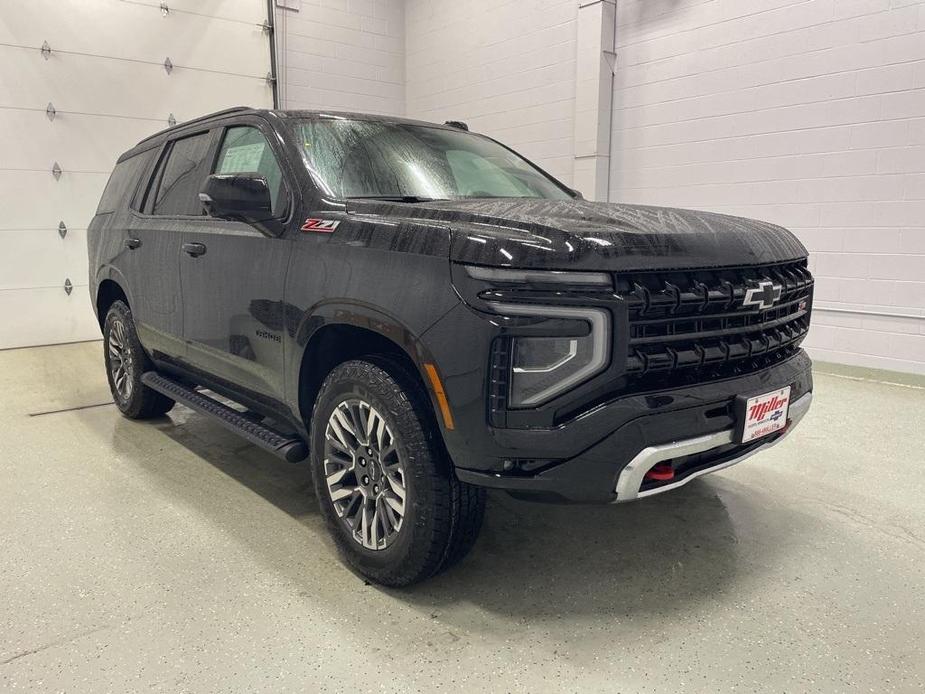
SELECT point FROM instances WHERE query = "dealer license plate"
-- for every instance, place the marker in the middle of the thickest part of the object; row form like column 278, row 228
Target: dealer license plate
column 762, row 415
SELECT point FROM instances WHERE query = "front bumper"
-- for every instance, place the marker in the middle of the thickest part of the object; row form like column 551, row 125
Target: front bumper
column 693, row 427
column 631, row 484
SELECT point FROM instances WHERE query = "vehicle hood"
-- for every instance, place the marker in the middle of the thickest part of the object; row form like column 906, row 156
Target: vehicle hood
column 579, row 234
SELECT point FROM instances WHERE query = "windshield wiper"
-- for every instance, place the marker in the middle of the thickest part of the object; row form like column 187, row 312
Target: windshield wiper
column 393, row 198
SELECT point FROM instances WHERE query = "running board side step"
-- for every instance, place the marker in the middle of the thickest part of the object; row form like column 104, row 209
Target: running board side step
column 286, row 446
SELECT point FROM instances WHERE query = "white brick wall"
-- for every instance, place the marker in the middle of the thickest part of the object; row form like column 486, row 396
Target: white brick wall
column 808, row 113
column 506, row 67
column 346, row 55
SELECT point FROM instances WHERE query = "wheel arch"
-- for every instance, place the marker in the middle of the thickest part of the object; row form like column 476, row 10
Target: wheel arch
column 337, row 333
column 111, row 286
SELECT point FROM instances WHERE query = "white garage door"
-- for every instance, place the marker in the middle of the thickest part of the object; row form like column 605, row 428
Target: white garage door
column 104, row 74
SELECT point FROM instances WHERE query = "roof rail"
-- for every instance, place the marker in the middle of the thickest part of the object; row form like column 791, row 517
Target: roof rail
column 224, row 112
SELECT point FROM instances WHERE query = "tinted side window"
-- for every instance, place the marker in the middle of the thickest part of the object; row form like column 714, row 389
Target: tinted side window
column 246, row 150
column 182, row 177
column 122, row 183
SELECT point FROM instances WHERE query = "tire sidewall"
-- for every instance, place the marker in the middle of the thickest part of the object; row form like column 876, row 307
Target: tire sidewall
column 120, row 312
column 413, row 450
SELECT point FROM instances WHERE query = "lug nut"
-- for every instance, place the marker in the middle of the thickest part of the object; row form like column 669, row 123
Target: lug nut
column 369, row 451
column 362, row 463
column 376, row 488
column 365, row 480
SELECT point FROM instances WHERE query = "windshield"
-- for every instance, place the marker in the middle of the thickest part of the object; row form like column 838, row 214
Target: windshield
column 372, row 159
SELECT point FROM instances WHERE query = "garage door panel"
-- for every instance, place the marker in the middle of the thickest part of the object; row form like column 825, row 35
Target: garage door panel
column 75, row 256
column 230, row 91
column 138, row 32
column 181, row 93
column 93, row 141
column 32, row 259
column 233, row 10
column 32, row 84
column 46, row 316
column 36, row 259
column 35, row 200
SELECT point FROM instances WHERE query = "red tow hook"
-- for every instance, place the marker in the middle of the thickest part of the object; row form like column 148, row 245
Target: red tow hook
column 662, row 472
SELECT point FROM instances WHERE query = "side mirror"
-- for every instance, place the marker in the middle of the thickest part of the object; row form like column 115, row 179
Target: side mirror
column 240, row 197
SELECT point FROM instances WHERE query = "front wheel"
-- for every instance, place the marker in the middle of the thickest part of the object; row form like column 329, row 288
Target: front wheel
column 384, row 484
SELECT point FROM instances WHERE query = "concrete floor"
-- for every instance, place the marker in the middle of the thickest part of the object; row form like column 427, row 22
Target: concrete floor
column 171, row 556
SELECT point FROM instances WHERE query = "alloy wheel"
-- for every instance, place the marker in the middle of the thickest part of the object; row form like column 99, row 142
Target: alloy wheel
column 365, row 473
column 120, row 360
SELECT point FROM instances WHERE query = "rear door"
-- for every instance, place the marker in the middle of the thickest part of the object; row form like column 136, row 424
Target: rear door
column 232, row 275
column 153, row 239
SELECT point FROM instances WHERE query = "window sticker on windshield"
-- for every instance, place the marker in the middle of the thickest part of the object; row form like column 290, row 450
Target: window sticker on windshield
column 242, row 158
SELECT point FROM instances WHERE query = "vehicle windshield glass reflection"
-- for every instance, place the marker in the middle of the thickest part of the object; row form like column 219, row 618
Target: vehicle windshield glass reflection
column 414, row 163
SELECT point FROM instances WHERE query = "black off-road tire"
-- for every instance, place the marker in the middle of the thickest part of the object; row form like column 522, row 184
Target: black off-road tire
column 443, row 516
column 133, row 398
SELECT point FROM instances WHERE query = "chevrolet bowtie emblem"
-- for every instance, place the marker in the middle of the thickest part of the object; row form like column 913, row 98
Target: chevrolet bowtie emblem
column 763, row 296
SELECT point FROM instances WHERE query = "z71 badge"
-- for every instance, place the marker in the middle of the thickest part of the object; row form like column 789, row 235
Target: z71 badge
column 324, row 226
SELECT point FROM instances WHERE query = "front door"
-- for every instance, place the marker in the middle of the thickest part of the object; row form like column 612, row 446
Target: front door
column 232, row 276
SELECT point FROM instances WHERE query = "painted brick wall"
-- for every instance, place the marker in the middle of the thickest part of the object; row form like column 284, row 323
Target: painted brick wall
column 809, row 113
column 346, row 55
column 507, row 68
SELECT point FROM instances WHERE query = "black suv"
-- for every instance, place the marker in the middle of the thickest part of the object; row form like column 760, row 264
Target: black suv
column 422, row 313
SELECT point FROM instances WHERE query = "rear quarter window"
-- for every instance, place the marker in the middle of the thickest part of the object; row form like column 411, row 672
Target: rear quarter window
column 122, row 183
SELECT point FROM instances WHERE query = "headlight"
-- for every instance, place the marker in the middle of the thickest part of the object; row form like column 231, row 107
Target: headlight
column 543, row 367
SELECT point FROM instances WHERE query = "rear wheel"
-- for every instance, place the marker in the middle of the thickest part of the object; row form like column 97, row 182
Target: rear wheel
column 126, row 361
column 385, row 486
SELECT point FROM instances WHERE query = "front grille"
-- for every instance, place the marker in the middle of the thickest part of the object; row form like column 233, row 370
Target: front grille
column 691, row 326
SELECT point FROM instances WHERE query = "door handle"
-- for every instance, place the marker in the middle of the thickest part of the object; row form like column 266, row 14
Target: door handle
column 194, row 249
column 132, row 244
